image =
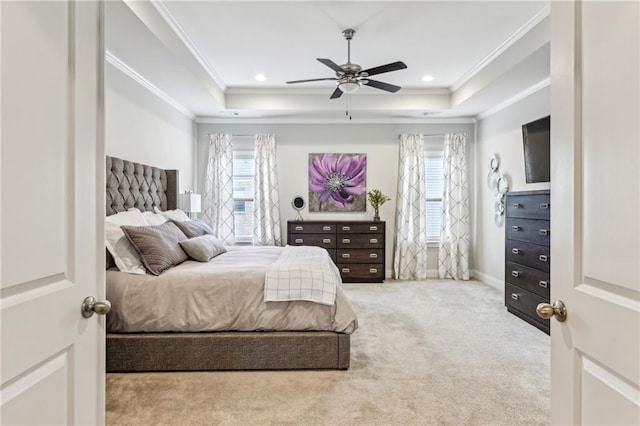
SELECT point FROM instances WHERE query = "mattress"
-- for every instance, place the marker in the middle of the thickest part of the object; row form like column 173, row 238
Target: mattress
column 224, row 294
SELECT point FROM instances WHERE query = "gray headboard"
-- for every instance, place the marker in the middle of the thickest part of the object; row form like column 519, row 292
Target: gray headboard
column 137, row 185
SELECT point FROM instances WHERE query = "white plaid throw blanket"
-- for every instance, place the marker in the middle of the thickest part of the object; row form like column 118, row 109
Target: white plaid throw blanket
column 302, row 273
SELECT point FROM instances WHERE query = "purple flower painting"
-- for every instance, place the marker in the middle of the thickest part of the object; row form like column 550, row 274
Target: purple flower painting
column 337, row 182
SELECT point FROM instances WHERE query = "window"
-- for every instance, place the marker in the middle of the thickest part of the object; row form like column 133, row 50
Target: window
column 433, row 173
column 243, row 175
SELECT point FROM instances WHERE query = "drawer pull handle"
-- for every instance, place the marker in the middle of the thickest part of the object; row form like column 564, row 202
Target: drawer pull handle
column 299, row 241
column 373, row 228
column 544, row 206
column 515, row 228
column 326, row 228
column 346, row 255
column 517, row 205
column 373, row 241
column 346, row 240
column 515, row 251
column 373, row 255
column 346, row 228
column 543, row 258
column 515, row 296
column 326, row 241
column 515, row 273
column 299, row 228
column 543, row 284
column 346, row 270
column 373, row 271
column 544, row 232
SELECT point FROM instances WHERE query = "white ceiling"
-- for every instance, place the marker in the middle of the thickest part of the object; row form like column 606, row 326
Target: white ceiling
column 204, row 55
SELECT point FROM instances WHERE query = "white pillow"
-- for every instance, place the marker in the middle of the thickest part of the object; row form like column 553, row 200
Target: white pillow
column 154, row 218
column 124, row 254
column 176, row 214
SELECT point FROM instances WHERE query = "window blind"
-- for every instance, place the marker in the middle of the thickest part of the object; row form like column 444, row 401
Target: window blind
column 434, row 188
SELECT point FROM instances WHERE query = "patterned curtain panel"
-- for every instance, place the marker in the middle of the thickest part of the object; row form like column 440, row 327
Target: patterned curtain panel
column 217, row 202
column 410, row 245
column 266, row 206
column 453, row 257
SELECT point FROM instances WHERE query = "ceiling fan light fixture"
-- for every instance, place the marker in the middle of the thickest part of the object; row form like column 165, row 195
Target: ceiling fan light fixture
column 349, row 86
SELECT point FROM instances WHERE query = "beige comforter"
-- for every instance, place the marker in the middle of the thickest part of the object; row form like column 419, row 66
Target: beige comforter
column 224, row 294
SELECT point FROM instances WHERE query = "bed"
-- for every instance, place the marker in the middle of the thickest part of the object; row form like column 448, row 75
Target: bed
column 175, row 321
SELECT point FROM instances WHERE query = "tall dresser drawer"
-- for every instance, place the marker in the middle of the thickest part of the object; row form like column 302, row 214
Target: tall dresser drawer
column 361, row 241
column 326, row 241
column 524, row 303
column 527, row 230
column 529, row 206
column 527, row 254
column 359, row 228
column 529, row 279
column 311, row 228
column 359, row 255
column 361, row 272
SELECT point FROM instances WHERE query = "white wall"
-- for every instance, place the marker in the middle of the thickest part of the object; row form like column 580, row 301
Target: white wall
column 296, row 141
column 501, row 134
column 143, row 128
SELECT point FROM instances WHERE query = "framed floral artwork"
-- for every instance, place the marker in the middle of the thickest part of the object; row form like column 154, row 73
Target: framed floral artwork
column 337, row 182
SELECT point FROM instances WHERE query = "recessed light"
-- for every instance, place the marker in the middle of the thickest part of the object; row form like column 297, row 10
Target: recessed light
column 427, row 78
column 260, row 77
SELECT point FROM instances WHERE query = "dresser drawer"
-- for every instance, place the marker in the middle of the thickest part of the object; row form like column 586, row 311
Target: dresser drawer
column 360, row 228
column 528, row 230
column 361, row 241
column 361, row 272
column 311, row 228
column 359, row 255
column 529, row 279
column 532, row 255
column 529, row 206
column 326, row 241
column 525, row 303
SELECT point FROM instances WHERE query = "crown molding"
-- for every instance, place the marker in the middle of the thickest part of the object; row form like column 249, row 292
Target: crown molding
column 134, row 75
column 172, row 22
column 262, row 90
column 510, row 41
column 311, row 120
column 516, row 98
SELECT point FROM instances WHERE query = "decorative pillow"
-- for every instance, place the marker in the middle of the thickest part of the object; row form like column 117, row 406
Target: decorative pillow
column 193, row 228
column 176, row 214
column 203, row 248
column 124, row 254
column 158, row 245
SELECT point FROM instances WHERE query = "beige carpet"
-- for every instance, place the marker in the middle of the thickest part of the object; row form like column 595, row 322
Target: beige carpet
column 428, row 353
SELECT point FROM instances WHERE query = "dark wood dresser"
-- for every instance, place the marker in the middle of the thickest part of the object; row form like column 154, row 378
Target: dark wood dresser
column 527, row 266
column 357, row 247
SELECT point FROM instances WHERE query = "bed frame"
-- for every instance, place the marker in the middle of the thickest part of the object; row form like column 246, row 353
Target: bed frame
column 145, row 187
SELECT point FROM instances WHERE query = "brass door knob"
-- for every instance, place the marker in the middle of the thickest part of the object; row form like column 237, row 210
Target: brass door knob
column 558, row 310
column 92, row 306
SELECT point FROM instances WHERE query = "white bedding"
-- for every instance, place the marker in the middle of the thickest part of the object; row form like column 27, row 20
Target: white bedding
column 224, row 294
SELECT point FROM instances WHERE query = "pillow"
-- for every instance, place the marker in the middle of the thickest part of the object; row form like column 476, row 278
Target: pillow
column 158, row 245
column 124, row 254
column 176, row 214
column 193, row 228
column 203, row 248
column 154, row 218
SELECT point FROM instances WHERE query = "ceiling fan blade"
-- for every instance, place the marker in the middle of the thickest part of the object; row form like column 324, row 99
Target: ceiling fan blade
column 383, row 86
column 336, row 93
column 394, row 66
column 331, row 64
column 313, row 79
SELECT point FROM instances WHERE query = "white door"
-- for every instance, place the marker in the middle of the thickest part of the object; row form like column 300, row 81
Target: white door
column 51, row 217
column 595, row 196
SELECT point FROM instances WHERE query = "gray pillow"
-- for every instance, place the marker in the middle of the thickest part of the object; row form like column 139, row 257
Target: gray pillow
column 193, row 228
column 203, row 248
column 158, row 245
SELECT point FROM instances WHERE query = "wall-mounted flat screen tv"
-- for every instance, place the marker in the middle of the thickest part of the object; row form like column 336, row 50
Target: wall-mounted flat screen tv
column 536, row 137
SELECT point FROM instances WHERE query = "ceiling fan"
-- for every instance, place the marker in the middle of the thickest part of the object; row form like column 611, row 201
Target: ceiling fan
column 349, row 77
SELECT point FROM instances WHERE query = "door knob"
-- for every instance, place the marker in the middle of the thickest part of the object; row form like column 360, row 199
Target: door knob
column 92, row 306
column 557, row 310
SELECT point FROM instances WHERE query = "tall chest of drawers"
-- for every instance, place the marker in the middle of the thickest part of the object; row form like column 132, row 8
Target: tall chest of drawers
column 528, row 260
column 356, row 247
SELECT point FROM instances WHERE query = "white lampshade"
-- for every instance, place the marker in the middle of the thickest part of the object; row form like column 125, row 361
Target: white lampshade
column 189, row 202
column 349, row 86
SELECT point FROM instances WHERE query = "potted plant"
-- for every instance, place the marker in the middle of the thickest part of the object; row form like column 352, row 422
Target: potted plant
column 376, row 199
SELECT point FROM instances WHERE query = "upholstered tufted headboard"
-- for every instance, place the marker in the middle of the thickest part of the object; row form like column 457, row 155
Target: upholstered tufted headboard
column 137, row 185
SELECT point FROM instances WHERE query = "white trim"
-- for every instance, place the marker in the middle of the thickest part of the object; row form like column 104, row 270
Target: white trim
column 130, row 72
column 516, row 98
column 311, row 120
column 496, row 283
column 188, row 43
column 510, row 41
column 299, row 90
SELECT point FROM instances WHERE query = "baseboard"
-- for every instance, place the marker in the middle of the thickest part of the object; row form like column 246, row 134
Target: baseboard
column 431, row 274
column 496, row 283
